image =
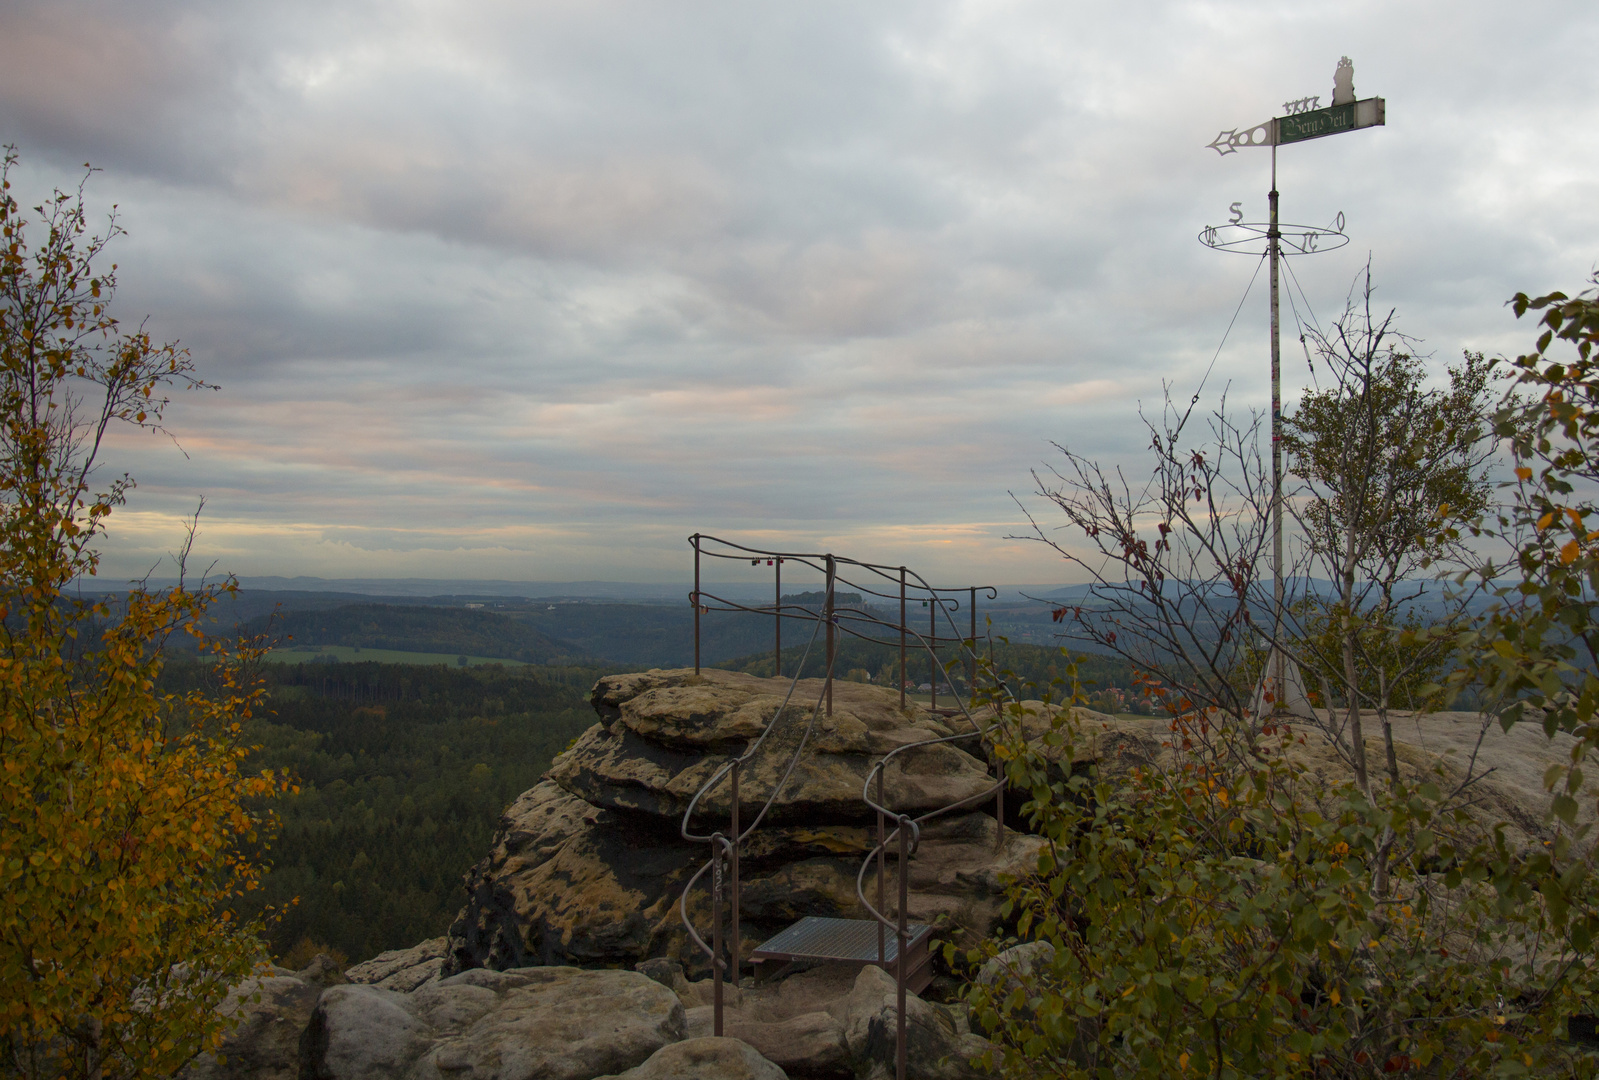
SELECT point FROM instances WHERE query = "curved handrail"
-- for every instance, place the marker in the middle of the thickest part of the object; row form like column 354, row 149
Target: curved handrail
column 749, row 752
column 716, row 839
column 723, row 848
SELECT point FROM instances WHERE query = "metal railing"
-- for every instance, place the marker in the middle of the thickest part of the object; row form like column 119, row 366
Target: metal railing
column 865, row 625
column 911, row 588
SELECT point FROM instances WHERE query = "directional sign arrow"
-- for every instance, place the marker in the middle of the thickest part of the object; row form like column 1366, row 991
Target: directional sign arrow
column 1230, row 140
column 1311, row 124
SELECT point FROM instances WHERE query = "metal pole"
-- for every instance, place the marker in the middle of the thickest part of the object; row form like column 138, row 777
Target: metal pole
column 1273, row 237
column 882, row 869
column 696, row 603
column 902, row 625
column 828, row 614
column 735, row 959
column 716, row 934
column 932, row 650
column 777, row 650
column 904, row 875
column 971, row 661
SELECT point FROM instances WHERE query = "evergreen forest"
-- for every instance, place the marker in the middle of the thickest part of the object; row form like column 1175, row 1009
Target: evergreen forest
column 403, row 771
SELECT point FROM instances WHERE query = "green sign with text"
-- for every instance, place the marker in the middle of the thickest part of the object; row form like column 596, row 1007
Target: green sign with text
column 1329, row 121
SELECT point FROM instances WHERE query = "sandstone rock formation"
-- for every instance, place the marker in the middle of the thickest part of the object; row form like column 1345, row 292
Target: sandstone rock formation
column 832, row 1023
column 1509, row 766
column 402, row 969
column 269, row 1013
column 937, row 1047
column 704, row 1059
column 587, row 867
column 558, row 1023
column 824, row 1023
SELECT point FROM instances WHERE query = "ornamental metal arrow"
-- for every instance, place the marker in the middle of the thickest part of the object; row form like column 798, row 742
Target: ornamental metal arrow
column 1230, row 140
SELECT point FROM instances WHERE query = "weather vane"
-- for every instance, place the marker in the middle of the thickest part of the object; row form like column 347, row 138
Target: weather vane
column 1305, row 119
column 1302, row 119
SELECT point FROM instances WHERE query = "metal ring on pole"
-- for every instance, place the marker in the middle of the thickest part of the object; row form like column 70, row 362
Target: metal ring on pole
column 1252, row 237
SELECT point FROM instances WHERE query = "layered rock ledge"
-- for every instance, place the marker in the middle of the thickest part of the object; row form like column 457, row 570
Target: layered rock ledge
column 587, row 867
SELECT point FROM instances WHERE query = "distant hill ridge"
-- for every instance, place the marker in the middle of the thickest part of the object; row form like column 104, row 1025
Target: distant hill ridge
column 473, row 631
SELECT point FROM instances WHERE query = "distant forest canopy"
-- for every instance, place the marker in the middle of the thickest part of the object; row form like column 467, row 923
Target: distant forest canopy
column 642, row 635
column 543, row 632
column 404, row 772
column 621, row 636
column 819, row 598
column 530, row 631
column 472, row 631
column 1030, row 670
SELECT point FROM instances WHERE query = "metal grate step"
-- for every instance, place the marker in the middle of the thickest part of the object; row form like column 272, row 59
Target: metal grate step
column 846, row 941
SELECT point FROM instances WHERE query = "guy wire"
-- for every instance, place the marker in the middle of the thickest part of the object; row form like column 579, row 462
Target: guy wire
column 1314, row 322
column 1231, row 322
column 1193, row 401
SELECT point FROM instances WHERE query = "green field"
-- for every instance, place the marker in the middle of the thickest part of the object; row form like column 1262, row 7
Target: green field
column 306, row 654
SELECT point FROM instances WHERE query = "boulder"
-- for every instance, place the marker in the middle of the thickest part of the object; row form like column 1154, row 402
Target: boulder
column 936, row 1047
column 1039, row 717
column 269, row 1013
column 809, row 1046
column 669, row 973
column 402, row 969
column 704, row 1059
column 588, row 866
column 322, row 970
column 1016, row 966
column 1022, row 967
column 559, row 1023
column 362, row 1033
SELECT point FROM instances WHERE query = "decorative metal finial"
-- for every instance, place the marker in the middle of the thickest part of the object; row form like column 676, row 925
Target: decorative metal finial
column 1344, row 82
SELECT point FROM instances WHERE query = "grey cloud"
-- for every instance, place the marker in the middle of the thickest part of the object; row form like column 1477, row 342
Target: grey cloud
column 628, row 269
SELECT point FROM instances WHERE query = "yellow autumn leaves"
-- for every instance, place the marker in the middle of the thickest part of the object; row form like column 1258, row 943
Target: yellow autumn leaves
column 1572, row 549
column 128, row 822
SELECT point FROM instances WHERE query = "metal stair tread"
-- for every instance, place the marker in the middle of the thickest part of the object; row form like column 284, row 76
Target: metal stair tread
column 854, row 940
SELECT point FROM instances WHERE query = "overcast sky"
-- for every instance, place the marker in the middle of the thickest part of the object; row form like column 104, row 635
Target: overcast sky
column 534, row 290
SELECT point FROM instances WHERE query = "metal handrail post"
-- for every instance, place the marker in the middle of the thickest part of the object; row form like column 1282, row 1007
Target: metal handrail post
column 882, row 862
column 777, row 606
column 832, row 569
column 734, row 959
column 932, row 651
column 904, row 935
column 716, row 934
column 902, row 627
column 696, row 539
column 971, row 660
